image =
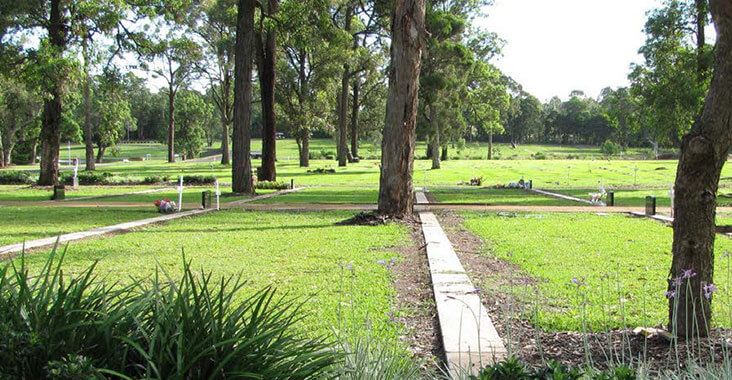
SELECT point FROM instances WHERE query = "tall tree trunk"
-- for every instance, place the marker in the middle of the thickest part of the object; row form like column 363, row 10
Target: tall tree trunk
column 303, row 146
column 225, row 118
column 53, row 104
column 34, row 151
column 2, row 154
column 7, row 152
column 435, row 141
column 397, row 148
column 171, row 123
column 703, row 154
column 241, row 168
column 343, row 99
column 100, row 153
column 490, row 145
column 354, row 119
column 266, row 53
column 444, row 156
column 88, row 136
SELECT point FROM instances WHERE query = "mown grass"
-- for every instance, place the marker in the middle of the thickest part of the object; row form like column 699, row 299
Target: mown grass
column 37, row 194
column 19, row 224
column 624, row 263
column 327, row 195
column 512, row 197
column 303, row 255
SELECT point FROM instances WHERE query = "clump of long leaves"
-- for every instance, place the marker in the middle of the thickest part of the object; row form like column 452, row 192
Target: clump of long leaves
column 192, row 328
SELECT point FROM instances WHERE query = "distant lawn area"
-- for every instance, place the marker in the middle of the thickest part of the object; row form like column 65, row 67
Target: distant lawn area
column 27, row 193
column 19, row 224
column 328, row 195
column 624, row 263
column 509, row 197
column 303, row 255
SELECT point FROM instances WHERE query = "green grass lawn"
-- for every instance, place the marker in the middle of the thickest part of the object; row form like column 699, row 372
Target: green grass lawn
column 328, row 195
column 624, row 263
column 497, row 197
column 303, row 255
column 19, row 224
column 27, row 193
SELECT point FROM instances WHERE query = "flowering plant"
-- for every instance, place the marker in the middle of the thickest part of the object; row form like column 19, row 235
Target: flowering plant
column 165, row 206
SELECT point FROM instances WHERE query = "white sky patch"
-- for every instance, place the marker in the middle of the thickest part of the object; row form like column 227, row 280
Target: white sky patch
column 556, row 46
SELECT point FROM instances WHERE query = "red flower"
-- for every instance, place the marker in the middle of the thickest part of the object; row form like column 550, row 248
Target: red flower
column 167, row 200
column 157, row 203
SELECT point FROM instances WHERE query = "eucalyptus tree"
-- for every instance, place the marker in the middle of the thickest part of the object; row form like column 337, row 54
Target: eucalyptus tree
column 241, row 167
column 265, row 41
column 704, row 151
column 486, row 100
column 20, row 107
column 110, row 111
column 61, row 26
column 396, row 195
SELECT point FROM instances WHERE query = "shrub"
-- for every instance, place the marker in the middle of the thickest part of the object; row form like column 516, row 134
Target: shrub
column 539, row 156
column 322, row 171
column 87, row 178
column 610, row 148
column 155, row 179
column 513, row 368
column 199, row 179
column 63, row 327
column 15, row 177
column 271, row 185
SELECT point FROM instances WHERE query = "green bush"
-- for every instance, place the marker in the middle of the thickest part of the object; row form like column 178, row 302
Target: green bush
column 54, row 326
column 539, row 156
column 151, row 180
column 87, row 178
column 610, row 148
column 271, row 185
column 199, row 179
column 15, row 177
column 322, row 171
column 513, row 369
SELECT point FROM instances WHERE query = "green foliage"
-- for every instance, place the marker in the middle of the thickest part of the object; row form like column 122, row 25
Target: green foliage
column 113, row 116
column 539, row 156
column 610, row 148
column 15, row 177
column 87, row 178
column 149, row 180
column 192, row 113
column 271, row 185
column 62, row 327
column 199, row 179
column 513, row 369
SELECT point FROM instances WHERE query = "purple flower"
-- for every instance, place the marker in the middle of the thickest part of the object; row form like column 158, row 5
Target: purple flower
column 475, row 291
column 709, row 289
column 688, row 273
column 349, row 266
column 392, row 261
column 676, row 281
column 381, row 262
column 670, row 294
column 578, row 282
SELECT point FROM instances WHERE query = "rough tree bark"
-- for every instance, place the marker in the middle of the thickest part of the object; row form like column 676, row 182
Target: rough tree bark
column 444, row 156
column 241, row 168
column 53, row 104
column 100, row 153
column 266, row 62
column 354, row 119
column 397, row 158
column 303, row 146
column 343, row 100
column 703, row 154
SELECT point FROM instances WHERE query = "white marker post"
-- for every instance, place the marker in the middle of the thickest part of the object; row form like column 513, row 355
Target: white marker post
column 180, row 192
column 218, row 193
column 671, row 194
column 75, row 183
column 69, row 148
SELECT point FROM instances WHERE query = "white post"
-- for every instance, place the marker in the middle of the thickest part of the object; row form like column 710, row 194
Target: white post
column 218, row 193
column 671, row 194
column 76, row 173
column 180, row 192
column 69, row 148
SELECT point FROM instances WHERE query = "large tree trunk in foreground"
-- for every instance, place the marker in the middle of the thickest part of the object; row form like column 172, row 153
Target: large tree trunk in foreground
column 267, row 53
column 397, row 148
column 53, row 104
column 703, row 154
column 241, row 168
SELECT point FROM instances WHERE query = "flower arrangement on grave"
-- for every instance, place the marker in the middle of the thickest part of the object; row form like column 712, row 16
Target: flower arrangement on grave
column 165, row 206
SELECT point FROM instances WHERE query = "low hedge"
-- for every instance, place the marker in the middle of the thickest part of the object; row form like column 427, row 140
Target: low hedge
column 271, row 185
column 199, row 179
column 15, row 177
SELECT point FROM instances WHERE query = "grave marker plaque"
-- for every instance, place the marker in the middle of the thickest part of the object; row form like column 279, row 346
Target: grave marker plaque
column 59, row 193
column 610, row 198
column 650, row 205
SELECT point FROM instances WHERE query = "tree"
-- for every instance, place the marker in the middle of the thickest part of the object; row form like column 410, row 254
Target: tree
column 397, row 157
column 112, row 111
column 193, row 113
column 266, row 44
column 20, row 107
column 704, row 151
column 177, row 56
column 241, row 168
column 487, row 99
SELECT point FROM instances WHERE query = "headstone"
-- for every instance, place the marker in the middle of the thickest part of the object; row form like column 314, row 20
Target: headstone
column 650, row 205
column 206, row 199
column 610, row 201
column 148, row 157
column 59, row 193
